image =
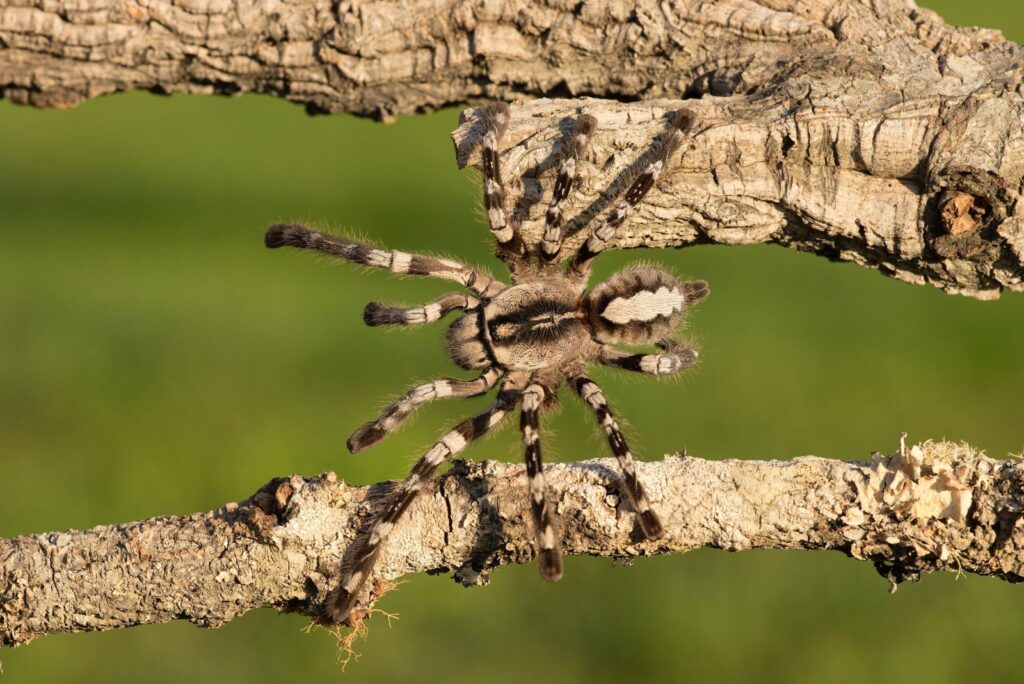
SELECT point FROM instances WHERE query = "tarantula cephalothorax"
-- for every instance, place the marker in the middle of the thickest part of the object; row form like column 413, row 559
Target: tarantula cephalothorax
column 529, row 337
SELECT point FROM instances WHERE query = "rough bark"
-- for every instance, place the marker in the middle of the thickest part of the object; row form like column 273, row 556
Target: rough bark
column 863, row 131
column 934, row 507
column 924, row 187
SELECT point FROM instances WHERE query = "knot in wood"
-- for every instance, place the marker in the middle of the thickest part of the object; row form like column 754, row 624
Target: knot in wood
column 963, row 213
column 967, row 208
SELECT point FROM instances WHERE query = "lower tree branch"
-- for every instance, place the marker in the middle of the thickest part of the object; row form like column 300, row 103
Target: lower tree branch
column 934, row 507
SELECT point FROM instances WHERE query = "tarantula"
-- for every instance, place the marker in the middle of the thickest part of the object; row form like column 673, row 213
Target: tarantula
column 529, row 337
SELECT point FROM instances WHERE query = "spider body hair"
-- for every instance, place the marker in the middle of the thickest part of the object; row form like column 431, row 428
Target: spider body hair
column 527, row 339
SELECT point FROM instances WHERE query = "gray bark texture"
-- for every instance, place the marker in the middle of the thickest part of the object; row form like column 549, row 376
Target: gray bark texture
column 932, row 507
column 862, row 130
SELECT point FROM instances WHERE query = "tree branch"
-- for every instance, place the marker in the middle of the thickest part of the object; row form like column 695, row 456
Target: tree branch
column 867, row 132
column 926, row 195
column 935, row 507
column 387, row 58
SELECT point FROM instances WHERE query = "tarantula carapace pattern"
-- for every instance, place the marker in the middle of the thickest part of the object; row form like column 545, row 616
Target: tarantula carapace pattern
column 527, row 338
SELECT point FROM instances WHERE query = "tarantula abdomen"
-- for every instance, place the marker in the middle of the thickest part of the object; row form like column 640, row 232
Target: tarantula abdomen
column 640, row 305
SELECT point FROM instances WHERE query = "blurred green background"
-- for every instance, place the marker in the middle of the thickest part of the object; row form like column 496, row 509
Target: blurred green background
column 158, row 360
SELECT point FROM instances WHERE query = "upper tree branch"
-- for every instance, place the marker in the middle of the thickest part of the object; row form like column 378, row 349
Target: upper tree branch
column 937, row 507
column 396, row 57
column 923, row 188
column 865, row 131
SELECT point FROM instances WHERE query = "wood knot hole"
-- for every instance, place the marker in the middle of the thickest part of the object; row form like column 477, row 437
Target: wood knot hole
column 963, row 213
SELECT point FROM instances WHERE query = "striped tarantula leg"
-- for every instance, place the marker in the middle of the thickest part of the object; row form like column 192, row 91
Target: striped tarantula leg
column 376, row 313
column 591, row 393
column 343, row 597
column 394, row 415
column 294, row 235
column 495, row 118
column 573, row 151
column 637, row 190
column 677, row 356
column 549, row 556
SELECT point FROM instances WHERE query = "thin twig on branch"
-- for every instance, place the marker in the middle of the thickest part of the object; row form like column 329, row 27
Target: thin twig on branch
column 934, row 507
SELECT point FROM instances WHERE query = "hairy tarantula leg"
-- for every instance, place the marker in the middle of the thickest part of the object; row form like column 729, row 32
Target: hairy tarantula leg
column 496, row 119
column 591, row 393
column 395, row 414
column 342, row 599
column 293, row 235
column 638, row 189
column 376, row 313
column 549, row 556
column 568, row 174
column 678, row 357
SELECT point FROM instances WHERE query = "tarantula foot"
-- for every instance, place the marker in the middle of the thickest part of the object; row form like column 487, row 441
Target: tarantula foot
column 338, row 606
column 376, row 314
column 650, row 523
column 550, row 563
column 365, row 437
column 285, row 235
column 695, row 290
column 679, row 357
column 688, row 357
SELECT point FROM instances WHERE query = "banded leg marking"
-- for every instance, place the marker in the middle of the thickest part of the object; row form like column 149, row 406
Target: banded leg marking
column 568, row 173
column 549, row 556
column 591, row 393
column 394, row 415
column 376, row 313
column 496, row 118
column 638, row 189
column 341, row 600
column 677, row 357
column 293, row 235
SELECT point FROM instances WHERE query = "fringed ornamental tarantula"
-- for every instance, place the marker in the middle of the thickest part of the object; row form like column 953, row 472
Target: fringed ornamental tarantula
column 529, row 337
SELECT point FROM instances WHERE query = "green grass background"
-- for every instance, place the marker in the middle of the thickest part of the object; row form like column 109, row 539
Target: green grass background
column 158, row 360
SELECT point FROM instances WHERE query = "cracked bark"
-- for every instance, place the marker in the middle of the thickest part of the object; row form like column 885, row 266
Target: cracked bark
column 933, row 507
column 863, row 131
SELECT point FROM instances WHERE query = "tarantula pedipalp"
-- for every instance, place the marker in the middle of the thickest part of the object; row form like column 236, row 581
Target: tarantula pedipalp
column 530, row 337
